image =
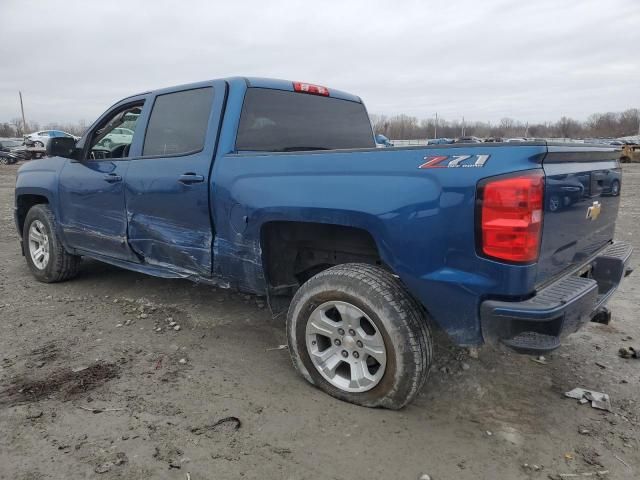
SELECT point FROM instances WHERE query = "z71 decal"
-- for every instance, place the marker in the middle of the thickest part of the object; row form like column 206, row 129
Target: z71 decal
column 455, row 161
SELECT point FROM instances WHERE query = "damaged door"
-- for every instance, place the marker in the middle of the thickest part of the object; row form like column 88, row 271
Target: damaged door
column 91, row 189
column 167, row 187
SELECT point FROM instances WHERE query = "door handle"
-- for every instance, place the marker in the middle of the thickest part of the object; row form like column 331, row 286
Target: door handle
column 189, row 178
column 112, row 178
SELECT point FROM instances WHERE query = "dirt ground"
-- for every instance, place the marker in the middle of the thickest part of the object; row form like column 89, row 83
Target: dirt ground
column 97, row 382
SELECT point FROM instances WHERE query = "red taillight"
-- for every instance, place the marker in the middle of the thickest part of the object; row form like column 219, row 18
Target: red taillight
column 510, row 212
column 309, row 88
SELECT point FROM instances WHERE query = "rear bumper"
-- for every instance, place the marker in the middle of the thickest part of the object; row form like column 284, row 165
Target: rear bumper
column 538, row 324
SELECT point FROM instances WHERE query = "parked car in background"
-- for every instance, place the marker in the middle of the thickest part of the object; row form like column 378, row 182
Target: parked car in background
column 41, row 138
column 8, row 157
column 493, row 140
column 439, row 141
column 468, row 140
column 7, row 144
column 120, row 136
column 12, row 150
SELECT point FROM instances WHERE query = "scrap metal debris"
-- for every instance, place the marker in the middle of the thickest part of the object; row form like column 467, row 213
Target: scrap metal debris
column 598, row 400
column 100, row 410
column 599, row 473
column 541, row 360
column 279, row 347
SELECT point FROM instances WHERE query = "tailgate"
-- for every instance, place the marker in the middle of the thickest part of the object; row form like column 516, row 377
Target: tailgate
column 582, row 194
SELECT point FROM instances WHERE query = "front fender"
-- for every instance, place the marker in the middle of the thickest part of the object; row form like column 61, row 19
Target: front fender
column 40, row 177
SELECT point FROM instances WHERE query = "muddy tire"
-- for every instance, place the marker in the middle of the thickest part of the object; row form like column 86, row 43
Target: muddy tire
column 47, row 259
column 357, row 334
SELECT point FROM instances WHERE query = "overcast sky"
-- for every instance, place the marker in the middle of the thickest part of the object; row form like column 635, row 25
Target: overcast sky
column 529, row 60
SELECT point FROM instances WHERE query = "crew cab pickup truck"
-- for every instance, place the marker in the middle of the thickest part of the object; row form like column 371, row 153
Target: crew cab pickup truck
column 277, row 188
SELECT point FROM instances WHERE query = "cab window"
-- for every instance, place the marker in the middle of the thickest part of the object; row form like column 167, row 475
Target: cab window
column 107, row 140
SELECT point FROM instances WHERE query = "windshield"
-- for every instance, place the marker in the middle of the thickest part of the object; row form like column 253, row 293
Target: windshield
column 281, row 121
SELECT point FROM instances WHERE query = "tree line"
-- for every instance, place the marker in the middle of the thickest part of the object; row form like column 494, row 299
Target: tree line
column 597, row 125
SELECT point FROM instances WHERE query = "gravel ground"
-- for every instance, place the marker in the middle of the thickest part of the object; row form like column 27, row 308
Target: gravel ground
column 96, row 380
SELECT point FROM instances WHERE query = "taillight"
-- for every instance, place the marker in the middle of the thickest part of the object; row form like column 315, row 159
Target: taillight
column 309, row 88
column 510, row 217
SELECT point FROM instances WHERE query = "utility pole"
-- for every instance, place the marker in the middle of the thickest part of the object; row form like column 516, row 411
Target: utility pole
column 435, row 127
column 24, row 121
column 462, row 126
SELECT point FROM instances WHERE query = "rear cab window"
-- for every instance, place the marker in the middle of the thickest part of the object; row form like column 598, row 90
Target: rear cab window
column 283, row 121
column 178, row 123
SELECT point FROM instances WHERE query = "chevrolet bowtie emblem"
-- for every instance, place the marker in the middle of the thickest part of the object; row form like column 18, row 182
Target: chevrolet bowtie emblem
column 593, row 211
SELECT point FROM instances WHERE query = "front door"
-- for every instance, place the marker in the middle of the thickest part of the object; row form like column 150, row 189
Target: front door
column 91, row 190
column 167, row 185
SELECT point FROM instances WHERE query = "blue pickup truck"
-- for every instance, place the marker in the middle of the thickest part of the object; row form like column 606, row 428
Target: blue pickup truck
column 277, row 188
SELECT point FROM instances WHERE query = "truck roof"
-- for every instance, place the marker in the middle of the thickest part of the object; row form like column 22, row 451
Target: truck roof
column 257, row 82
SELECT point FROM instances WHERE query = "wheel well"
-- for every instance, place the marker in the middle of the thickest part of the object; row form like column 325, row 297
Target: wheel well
column 293, row 252
column 24, row 204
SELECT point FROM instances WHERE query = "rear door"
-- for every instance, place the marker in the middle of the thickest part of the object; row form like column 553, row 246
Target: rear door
column 167, row 183
column 582, row 194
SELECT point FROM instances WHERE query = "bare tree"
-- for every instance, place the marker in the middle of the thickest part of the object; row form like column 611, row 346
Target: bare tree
column 17, row 126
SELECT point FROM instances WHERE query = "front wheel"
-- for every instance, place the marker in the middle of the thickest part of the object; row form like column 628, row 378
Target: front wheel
column 357, row 334
column 46, row 257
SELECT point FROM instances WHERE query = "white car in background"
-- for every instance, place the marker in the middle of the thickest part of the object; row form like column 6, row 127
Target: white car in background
column 41, row 138
column 118, row 136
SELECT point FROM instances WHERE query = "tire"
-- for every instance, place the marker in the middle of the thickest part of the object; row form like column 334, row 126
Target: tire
column 38, row 144
column 385, row 308
column 4, row 161
column 60, row 265
column 615, row 188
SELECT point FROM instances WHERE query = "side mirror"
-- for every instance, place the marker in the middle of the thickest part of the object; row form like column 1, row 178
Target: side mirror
column 61, row 147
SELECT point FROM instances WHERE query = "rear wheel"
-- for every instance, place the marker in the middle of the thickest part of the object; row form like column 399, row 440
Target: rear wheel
column 615, row 188
column 357, row 334
column 47, row 259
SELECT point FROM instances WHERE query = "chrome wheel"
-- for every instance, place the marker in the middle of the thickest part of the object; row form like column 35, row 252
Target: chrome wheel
column 39, row 244
column 345, row 346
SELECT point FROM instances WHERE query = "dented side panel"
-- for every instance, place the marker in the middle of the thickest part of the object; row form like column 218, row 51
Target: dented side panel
column 92, row 213
column 168, row 213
